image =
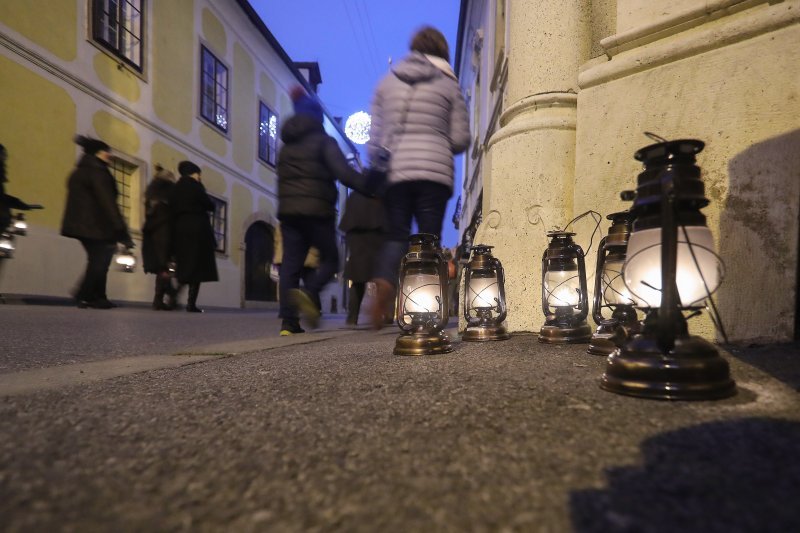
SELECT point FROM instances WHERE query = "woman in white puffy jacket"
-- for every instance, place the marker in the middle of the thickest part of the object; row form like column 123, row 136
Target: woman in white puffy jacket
column 419, row 115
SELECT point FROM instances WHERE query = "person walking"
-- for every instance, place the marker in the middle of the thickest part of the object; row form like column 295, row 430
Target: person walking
column 363, row 223
column 92, row 216
column 419, row 115
column 309, row 163
column 8, row 202
column 157, row 237
column 193, row 242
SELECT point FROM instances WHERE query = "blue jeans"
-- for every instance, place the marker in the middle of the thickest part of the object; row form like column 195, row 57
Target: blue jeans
column 299, row 234
column 423, row 201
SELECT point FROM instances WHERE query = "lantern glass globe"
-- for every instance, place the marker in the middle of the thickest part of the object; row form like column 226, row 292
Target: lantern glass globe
column 420, row 293
column 697, row 273
column 562, row 288
column 484, row 292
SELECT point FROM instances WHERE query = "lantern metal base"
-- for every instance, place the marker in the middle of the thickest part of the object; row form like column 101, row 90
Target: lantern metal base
column 554, row 334
column 485, row 333
column 692, row 370
column 423, row 343
column 610, row 336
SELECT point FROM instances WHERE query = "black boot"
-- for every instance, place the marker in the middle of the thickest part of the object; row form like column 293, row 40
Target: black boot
column 191, row 299
column 158, row 298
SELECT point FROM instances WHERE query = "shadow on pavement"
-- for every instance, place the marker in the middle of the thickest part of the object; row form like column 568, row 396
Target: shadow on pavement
column 781, row 361
column 740, row 475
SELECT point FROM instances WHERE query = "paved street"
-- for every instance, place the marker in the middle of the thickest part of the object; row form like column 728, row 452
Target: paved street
column 329, row 432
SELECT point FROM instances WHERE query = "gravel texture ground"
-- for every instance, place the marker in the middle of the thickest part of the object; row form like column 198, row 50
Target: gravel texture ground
column 339, row 435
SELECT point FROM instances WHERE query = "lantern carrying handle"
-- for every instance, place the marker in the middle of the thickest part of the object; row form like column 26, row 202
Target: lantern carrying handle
column 597, row 314
column 501, row 290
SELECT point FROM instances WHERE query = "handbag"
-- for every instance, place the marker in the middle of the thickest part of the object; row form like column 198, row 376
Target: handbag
column 378, row 171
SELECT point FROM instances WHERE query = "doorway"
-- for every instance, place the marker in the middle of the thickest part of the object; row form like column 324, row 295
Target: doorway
column 259, row 251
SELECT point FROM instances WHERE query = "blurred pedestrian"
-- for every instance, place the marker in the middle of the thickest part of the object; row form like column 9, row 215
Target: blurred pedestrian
column 309, row 163
column 93, row 217
column 363, row 223
column 419, row 115
column 193, row 242
column 8, row 202
column 310, row 265
column 157, row 237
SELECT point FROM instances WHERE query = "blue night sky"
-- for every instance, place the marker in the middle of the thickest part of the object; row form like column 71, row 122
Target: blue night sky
column 352, row 40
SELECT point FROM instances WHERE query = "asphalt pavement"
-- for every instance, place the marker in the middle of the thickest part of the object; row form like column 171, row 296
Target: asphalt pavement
column 226, row 427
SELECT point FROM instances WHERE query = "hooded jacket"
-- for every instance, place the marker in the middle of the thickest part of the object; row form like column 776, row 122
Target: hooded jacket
column 309, row 163
column 419, row 114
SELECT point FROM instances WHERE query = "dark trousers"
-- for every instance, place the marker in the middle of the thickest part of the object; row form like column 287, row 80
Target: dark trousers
column 299, row 234
column 423, row 201
column 98, row 259
column 356, row 295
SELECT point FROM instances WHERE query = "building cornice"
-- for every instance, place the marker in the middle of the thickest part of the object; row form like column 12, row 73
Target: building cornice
column 646, row 48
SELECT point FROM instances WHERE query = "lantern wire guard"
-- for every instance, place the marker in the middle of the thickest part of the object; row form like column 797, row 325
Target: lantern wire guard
column 664, row 361
column 421, row 307
column 484, row 297
column 610, row 291
column 564, row 290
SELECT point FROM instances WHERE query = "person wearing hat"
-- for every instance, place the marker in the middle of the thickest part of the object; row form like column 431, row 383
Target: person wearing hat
column 92, row 216
column 193, row 242
column 157, row 237
column 309, row 164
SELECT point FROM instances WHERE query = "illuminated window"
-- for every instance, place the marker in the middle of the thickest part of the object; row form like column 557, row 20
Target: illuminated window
column 267, row 134
column 213, row 90
column 117, row 25
column 123, row 173
column 219, row 221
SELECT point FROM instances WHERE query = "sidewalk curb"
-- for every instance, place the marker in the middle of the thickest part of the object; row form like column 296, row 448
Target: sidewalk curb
column 41, row 379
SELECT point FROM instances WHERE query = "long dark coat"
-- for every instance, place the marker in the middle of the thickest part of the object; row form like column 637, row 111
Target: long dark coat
column 193, row 240
column 363, row 223
column 91, row 211
column 157, row 231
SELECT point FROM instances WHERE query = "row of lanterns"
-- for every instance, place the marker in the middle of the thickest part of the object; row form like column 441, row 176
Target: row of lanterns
column 658, row 257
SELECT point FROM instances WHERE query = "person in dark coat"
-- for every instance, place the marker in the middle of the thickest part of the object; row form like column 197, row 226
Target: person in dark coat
column 309, row 163
column 93, row 217
column 193, row 243
column 363, row 223
column 8, row 202
column 157, row 237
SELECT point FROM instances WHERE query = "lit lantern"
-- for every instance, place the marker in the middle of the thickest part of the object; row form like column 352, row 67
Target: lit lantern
column 564, row 300
column 125, row 261
column 19, row 226
column 6, row 246
column 422, row 299
column 610, row 290
column 484, row 297
column 670, row 268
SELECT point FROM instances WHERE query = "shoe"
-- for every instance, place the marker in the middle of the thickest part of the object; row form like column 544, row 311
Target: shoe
column 384, row 293
column 291, row 327
column 305, row 306
column 95, row 304
column 193, row 309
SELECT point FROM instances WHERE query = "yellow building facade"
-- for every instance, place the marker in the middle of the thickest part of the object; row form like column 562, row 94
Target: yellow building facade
column 160, row 82
column 561, row 94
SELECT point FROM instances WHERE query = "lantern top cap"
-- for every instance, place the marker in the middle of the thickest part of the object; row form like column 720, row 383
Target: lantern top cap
column 669, row 150
column 619, row 216
column 557, row 233
column 423, row 238
column 482, row 249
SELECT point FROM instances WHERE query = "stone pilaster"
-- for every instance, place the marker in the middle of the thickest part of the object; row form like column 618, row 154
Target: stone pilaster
column 529, row 166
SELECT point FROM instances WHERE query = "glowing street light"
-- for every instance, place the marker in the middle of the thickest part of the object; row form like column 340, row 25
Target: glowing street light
column 357, row 127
